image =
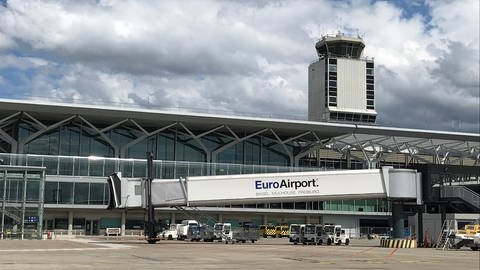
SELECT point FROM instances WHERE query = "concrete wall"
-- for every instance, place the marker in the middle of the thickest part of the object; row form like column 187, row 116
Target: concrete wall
column 432, row 223
column 351, row 84
column 316, row 90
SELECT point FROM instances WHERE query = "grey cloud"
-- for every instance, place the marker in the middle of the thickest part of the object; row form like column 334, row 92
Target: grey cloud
column 416, row 104
column 459, row 68
column 236, row 57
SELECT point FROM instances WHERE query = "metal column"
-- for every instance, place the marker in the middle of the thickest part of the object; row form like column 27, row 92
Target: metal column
column 397, row 219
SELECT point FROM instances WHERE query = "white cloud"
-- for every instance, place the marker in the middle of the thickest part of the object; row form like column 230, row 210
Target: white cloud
column 6, row 42
column 21, row 63
column 242, row 56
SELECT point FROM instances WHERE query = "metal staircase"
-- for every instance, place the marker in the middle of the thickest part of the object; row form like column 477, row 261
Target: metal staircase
column 193, row 212
column 444, row 241
column 463, row 193
column 11, row 212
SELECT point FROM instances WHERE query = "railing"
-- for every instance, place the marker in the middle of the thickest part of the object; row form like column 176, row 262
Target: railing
column 103, row 167
column 11, row 214
column 461, row 192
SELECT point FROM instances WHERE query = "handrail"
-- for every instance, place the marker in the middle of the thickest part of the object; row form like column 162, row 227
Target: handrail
column 461, row 192
column 104, row 166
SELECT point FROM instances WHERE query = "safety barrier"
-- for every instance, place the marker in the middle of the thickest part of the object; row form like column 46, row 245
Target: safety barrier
column 113, row 231
column 398, row 243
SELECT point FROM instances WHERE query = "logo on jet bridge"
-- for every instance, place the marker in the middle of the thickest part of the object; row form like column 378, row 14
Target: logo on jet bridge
column 261, row 184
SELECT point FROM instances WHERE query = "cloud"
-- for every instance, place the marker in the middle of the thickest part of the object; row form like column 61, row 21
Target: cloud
column 243, row 57
column 6, row 42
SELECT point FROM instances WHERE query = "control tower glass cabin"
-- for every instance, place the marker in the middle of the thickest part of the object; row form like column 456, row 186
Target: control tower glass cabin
column 341, row 83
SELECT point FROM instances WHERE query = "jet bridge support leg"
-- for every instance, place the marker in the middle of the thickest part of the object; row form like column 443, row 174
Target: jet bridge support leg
column 150, row 225
column 420, row 225
column 397, row 219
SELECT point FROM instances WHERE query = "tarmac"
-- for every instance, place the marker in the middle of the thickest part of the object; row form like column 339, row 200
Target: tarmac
column 276, row 254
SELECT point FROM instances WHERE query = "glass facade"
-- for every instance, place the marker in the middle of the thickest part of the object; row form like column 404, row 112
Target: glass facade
column 78, row 139
column 75, row 148
column 69, row 140
column 57, row 192
column 21, row 200
column 90, row 193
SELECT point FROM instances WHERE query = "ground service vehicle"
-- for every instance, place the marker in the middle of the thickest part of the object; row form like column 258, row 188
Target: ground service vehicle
column 468, row 237
column 340, row 236
column 227, row 233
column 246, row 232
column 320, row 236
column 294, row 233
column 171, row 233
column 267, row 230
column 307, row 234
column 281, row 231
column 329, row 230
column 217, row 231
column 193, row 233
column 207, row 233
column 182, row 232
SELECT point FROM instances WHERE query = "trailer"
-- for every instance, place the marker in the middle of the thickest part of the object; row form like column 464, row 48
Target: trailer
column 207, row 233
column 246, row 232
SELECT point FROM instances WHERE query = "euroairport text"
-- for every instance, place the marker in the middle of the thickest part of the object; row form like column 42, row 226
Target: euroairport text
column 286, row 187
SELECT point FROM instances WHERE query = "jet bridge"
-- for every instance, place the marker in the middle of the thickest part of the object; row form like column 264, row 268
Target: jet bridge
column 397, row 184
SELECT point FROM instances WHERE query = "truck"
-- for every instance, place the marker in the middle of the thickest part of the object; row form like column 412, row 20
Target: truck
column 171, row 233
column 281, row 231
column 307, row 234
column 217, row 231
column 335, row 235
column 341, row 237
column 246, row 232
column 193, row 232
column 267, row 230
column 320, row 236
column 468, row 237
column 294, row 234
column 182, row 231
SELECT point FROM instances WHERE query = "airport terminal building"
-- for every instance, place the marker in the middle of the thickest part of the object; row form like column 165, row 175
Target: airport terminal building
column 74, row 148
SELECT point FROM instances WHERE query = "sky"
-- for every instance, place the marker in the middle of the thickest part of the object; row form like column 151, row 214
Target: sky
column 246, row 58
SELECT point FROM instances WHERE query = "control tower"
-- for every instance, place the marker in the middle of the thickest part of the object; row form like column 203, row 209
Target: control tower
column 341, row 83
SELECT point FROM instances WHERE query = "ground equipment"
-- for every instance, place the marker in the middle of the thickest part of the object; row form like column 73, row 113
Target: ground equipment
column 320, row 236
column 340, row 236
column 307, row 234
column 182, row 232
column 171, row 233
column 245, row 232
column 206, row 233
column 281, row 231
column 267, row 230
column 468, row 237
column 193, row 233
column 294, row 233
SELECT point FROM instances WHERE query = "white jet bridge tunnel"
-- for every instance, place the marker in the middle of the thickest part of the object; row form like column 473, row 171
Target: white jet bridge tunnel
column 402, row 185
